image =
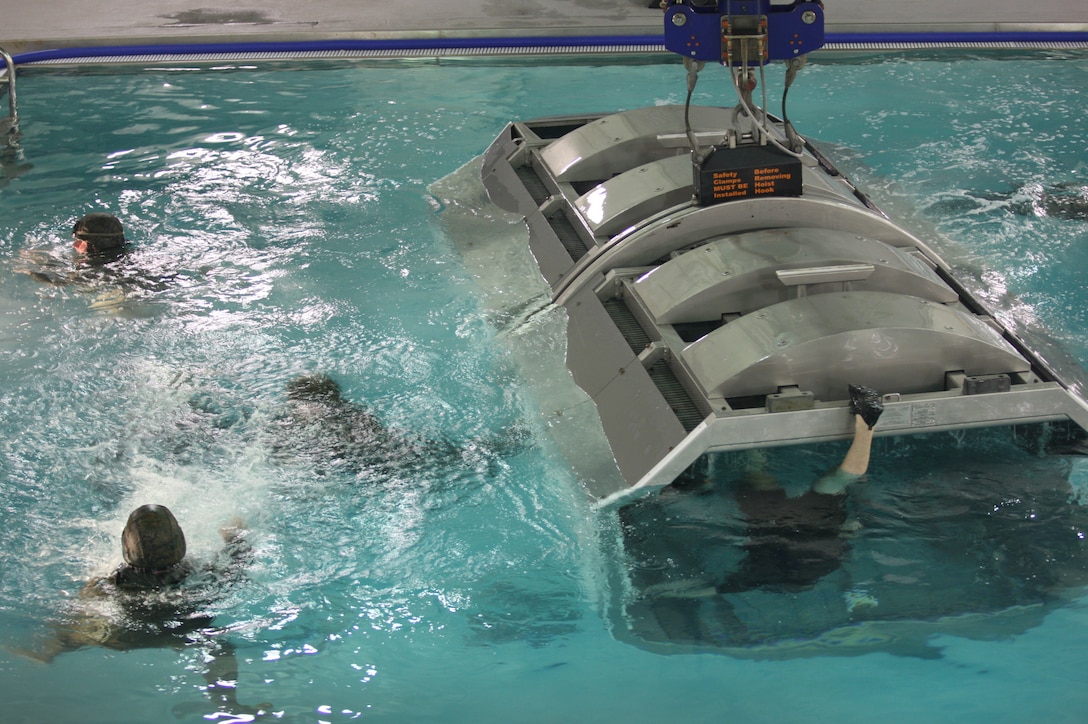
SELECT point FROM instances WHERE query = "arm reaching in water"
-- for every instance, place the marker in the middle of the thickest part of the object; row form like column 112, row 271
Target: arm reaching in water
column 867, row 407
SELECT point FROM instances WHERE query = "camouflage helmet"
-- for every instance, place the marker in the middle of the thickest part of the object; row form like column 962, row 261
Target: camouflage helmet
column 313, row 388
column 100, row 230
column 152, row 539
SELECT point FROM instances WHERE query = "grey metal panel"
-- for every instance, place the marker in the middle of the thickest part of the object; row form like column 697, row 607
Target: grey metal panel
column 1024, row 404
column 549, row 252
column 637, row 420
column 616, row 143
column 869, row 308
column 692, row 226
column 820, row 344
column 633, row 196
column 737, row 274
column 504, row 188
column 505, row 182
column 637, row 195
column 499, row 178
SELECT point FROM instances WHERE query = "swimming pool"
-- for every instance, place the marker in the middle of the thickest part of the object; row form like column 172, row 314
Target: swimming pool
column 283, row 224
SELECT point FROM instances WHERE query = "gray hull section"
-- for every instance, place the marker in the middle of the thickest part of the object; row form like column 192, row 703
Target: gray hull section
column 701, row 328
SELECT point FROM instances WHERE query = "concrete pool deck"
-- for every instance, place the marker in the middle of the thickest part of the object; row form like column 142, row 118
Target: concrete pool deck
column 59, row 24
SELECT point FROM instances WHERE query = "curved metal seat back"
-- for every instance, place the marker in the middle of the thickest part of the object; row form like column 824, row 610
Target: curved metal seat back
column 740, row 274
column 820, row 344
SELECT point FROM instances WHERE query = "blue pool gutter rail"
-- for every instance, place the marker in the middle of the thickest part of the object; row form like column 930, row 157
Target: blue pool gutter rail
column 876, row 40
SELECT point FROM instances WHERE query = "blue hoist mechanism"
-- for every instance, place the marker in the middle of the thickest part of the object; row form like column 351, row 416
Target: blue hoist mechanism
column 744, row 35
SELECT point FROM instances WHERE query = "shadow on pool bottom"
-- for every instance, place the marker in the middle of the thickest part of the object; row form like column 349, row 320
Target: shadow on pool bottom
column 983, row 543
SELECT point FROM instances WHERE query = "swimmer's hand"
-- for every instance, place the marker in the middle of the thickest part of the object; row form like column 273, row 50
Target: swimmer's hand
column 865, row 401
column 46, row 277
column 40, row 276
column 233, row 530
column 41, row 266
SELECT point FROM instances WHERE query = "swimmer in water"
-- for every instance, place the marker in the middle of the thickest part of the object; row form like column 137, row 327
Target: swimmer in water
column 98, row 239
column 791, row 542
column 1067, row 201
column 159, row 598
column 102, row 266
column 794, row 542
column 99, row 236
column 1064, row 200
column 319, row 424
column 333, row 433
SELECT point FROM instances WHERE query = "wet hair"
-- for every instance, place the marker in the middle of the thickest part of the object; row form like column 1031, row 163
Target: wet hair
column 100, row 230
column 152, row 539
column 313, row 388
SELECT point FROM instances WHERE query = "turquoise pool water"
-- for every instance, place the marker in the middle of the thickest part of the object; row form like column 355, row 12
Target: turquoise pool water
column 282, row 224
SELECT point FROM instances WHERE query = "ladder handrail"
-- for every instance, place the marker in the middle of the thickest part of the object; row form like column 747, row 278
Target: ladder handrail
column 9, row 78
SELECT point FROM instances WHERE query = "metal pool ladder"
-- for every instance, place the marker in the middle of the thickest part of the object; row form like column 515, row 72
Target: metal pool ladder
column 9, row 125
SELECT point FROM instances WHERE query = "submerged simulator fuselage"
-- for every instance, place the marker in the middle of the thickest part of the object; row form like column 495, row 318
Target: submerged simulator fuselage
column 719, row 284
column 724, row 282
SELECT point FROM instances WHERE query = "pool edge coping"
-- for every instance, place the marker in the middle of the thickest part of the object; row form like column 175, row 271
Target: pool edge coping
column 518, row 46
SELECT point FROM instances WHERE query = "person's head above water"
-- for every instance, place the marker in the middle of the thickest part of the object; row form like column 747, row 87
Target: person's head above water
column 98, row 233
column 313, row 388
column 152, row 540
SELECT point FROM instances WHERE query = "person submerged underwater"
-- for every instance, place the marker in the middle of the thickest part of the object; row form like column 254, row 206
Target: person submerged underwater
column 1067, row 201
column 322, row 427
column 159, row 598
column 790, row 542
column 794, row 542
